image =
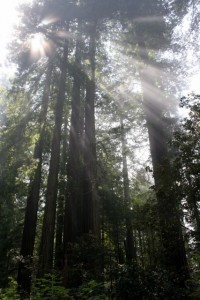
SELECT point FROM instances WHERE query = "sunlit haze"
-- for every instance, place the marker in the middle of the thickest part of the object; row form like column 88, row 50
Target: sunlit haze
column 8, row 19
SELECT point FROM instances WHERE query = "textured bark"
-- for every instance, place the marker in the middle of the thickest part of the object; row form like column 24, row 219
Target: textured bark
column 30, row 222
column 47, row 240
column 130, row 247
column 90, row 205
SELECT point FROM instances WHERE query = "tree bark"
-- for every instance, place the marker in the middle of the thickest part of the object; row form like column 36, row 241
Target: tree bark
column 90, row 204
column 59, row 245
column 47, row 240
column 74, row 198
column 130, row 247
column 75, row 162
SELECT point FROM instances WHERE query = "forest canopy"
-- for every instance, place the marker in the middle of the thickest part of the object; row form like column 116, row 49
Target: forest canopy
column 100, row 151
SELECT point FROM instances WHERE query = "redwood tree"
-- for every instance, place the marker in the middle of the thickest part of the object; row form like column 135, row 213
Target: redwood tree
column 47, row 239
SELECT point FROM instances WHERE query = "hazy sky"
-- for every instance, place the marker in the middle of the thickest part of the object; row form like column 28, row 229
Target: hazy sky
column 9, row 17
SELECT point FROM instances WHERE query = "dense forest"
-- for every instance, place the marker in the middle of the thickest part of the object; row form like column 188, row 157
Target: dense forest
column 99, row 169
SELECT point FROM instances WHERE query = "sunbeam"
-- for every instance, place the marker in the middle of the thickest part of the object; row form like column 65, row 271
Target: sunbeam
column 49, row 20
column 38, row 44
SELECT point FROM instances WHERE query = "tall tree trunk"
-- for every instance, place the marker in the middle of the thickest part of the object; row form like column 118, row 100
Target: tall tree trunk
column 74, row 199
column 90, row 205
column 47, row 240
column 75, row 162
column 59, row 247
column 171, row 232
column 130, row 248
column 30, row 222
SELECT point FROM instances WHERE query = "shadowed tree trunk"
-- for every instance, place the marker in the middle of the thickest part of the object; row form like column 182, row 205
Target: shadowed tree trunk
column 174, row 255
column 129, row 245
column 47, row 240
column 74, row 199
column 30, row 222
column 75, row 162
column 59, row 247
column 90, row 205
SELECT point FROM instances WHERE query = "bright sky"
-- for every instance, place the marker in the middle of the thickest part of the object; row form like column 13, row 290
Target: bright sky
column 9, row 17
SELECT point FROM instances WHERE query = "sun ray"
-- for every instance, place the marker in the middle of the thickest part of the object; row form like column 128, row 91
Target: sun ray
column 37, row 45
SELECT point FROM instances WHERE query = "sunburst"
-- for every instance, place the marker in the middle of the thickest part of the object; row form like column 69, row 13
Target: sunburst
column 38, row 45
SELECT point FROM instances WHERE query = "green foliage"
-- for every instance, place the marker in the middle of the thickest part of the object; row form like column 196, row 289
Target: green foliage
column 91, row 290
column 10, row 293
column 84, row 258
column 49, row 287
column 89, row 260
column 129, row 284
column 194, row 282
column 186, row 165
column 15, row 166
column 153, row 284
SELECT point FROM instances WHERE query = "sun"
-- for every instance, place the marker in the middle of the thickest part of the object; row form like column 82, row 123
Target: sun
column 38, row 45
